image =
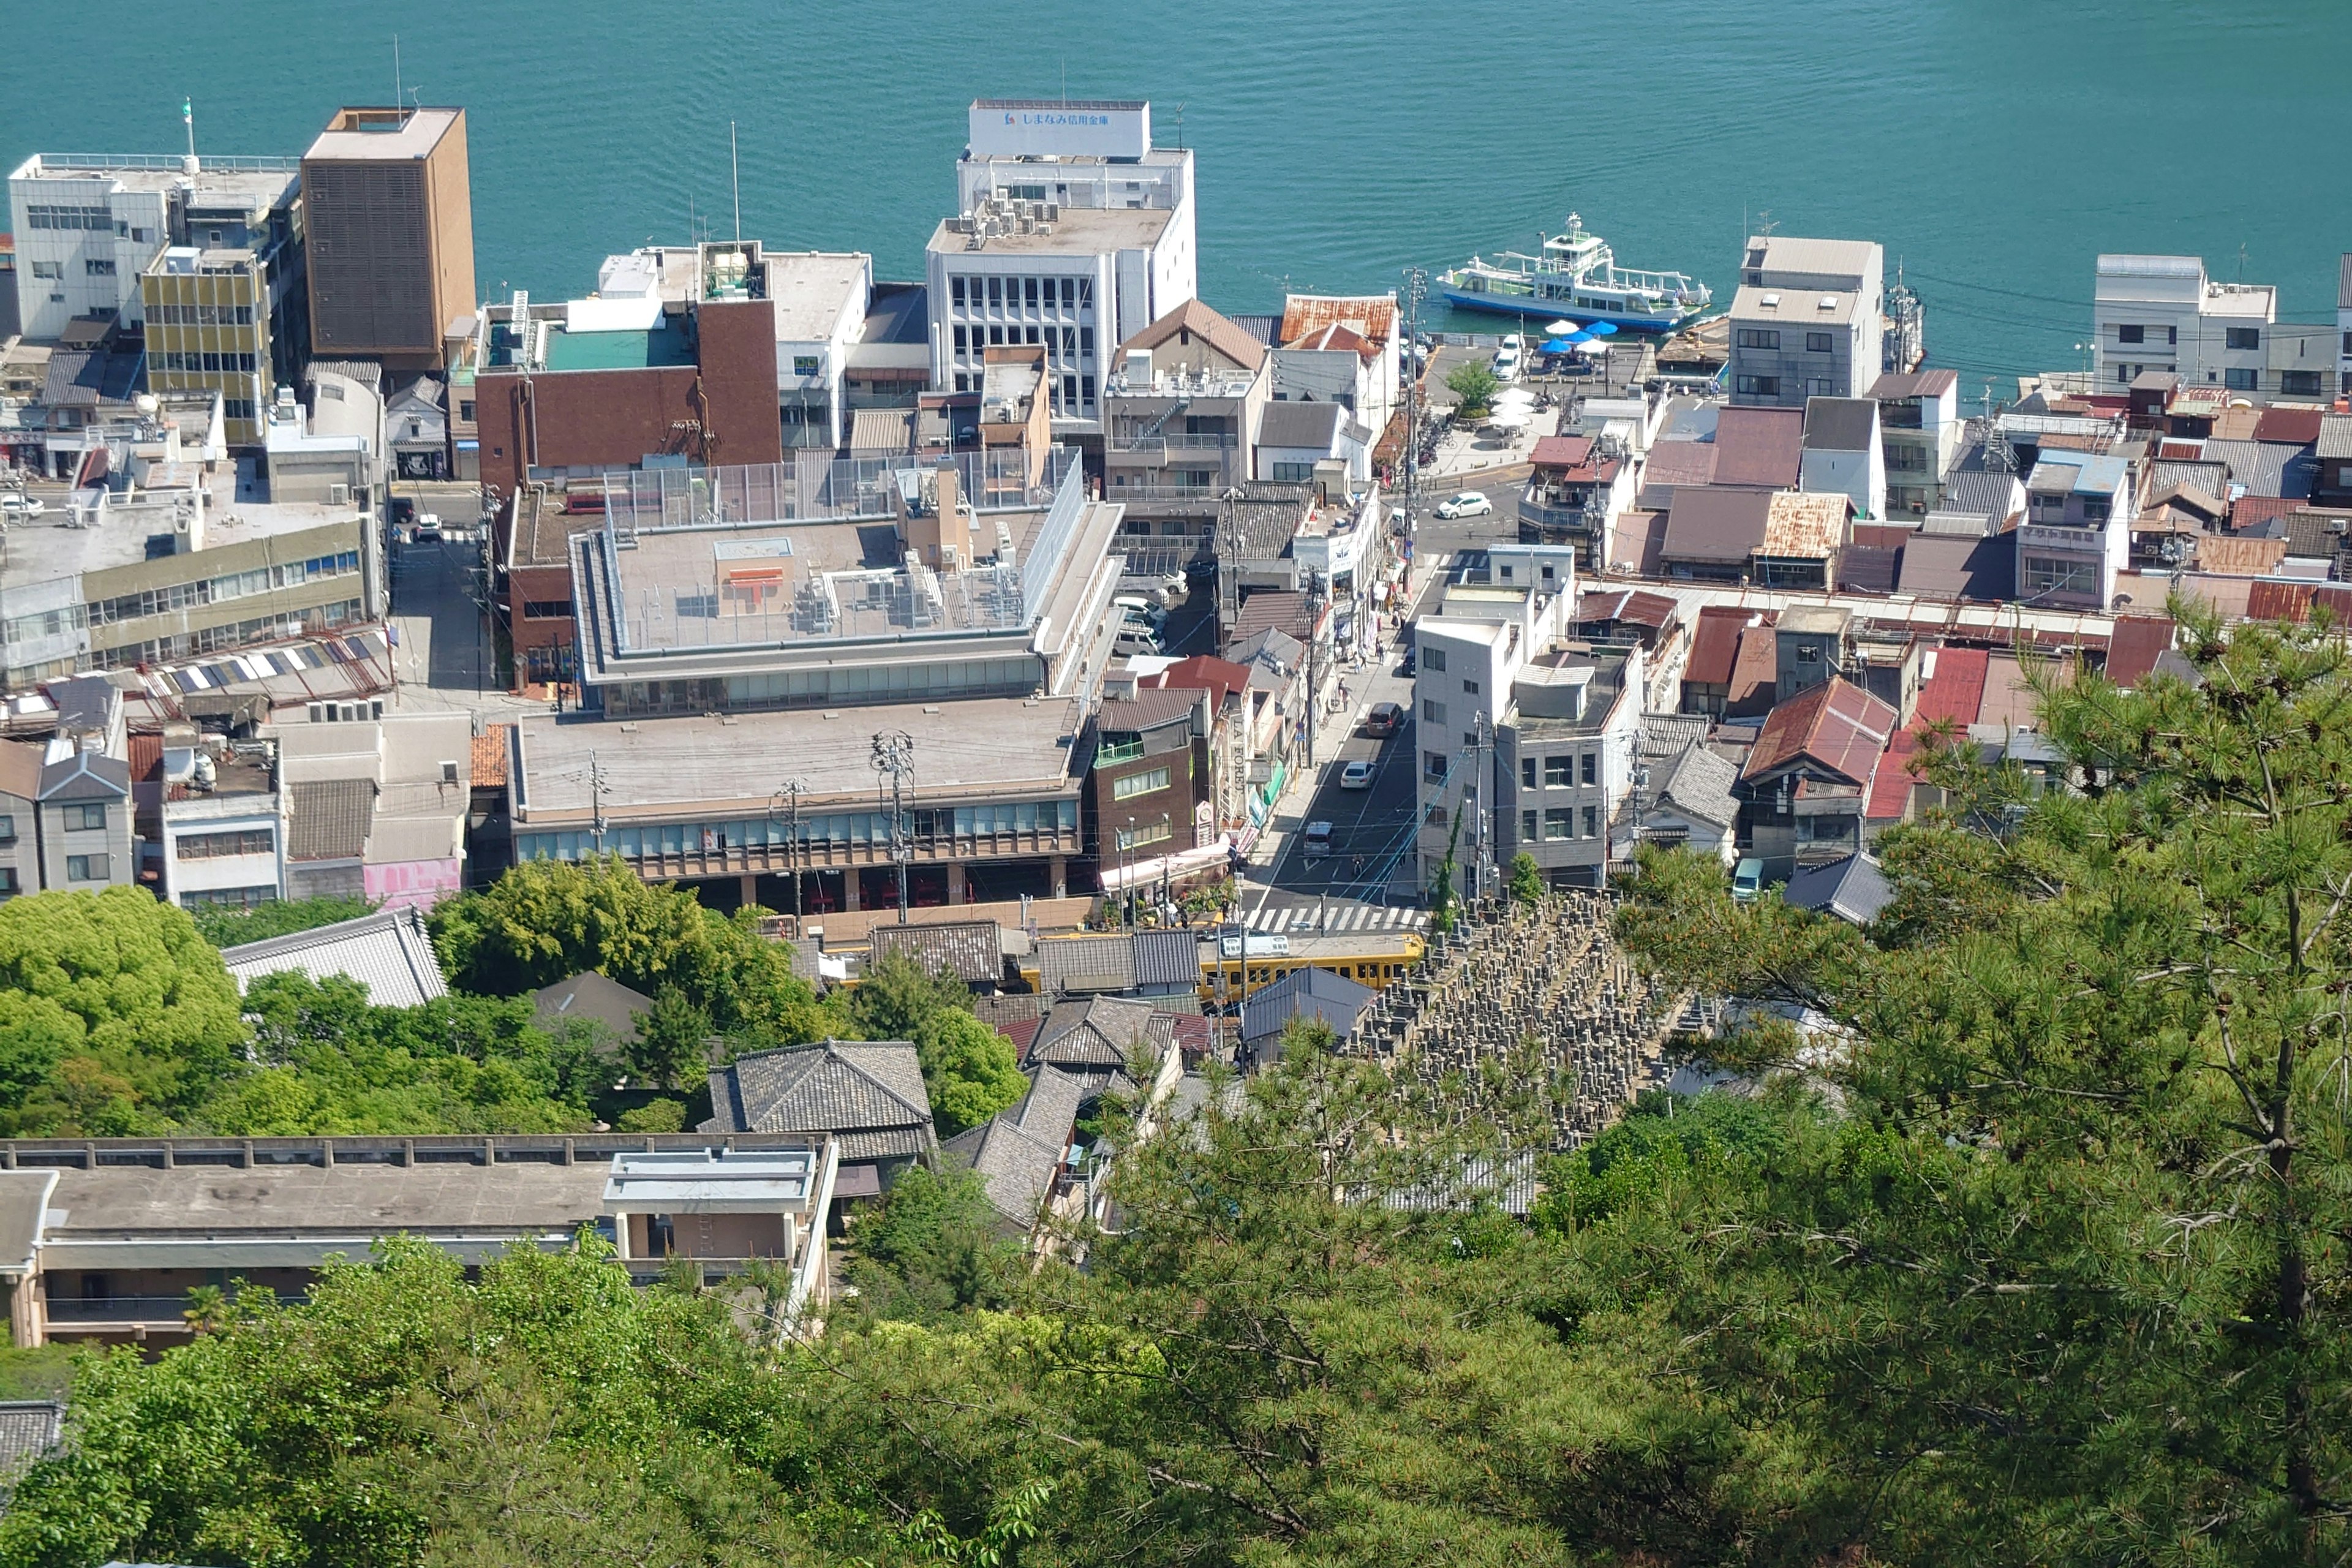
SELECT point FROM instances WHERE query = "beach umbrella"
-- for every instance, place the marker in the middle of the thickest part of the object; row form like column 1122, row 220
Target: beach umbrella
column 1557, row 346
column 1603, row 329
column 1592, row 348
column 1517, row 398
column 1578, row 336
column 1560, row 329
column 1510, row 418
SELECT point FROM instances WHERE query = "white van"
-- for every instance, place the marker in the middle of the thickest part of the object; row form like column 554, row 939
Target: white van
column 1317, row 840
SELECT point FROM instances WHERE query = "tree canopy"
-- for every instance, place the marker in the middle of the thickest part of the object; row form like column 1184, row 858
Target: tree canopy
column 968, row 1070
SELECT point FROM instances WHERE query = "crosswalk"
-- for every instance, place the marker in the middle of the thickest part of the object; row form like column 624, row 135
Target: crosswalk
column 1337, row 919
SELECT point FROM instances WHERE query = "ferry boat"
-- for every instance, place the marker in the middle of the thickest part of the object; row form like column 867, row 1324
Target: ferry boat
column 1577, row 276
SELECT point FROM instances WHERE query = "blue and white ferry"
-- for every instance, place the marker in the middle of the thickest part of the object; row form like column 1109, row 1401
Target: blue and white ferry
column 1577, row 276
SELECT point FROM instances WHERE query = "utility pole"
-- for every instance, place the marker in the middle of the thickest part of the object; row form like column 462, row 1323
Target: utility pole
column 1229, row 588
column 1314, row 670
column 597, row 802
column 790, row 795
column 894, row 760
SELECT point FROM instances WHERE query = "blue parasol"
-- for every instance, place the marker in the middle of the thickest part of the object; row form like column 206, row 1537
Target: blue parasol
column 1603, row 329
column 1559, row 346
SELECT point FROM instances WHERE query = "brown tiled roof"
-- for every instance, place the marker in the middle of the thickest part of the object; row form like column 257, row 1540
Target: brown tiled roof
column 1763, row 447
column 1211, row 328
column 1678, row 464
column 1712, row 523
column 1283, row 612
column 491, row 757
column 1148, row 708
column 1338, row 338
column 1206, row 672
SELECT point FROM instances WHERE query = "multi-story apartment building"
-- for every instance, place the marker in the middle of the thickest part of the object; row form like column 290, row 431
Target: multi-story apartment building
column 89, row 229
column 1073, row 233
column 1806, row 320
column 1181, row 410
column 389, row 209
column 1565, row 755
column 2163, row 313
column 1919, row 431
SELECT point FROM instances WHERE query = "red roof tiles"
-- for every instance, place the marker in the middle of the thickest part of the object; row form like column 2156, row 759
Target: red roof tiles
column 1837, row 727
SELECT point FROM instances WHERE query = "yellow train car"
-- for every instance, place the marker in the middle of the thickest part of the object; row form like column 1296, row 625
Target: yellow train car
column 1374, row 957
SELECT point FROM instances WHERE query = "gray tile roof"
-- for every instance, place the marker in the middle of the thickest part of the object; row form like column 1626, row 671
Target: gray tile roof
column 1840, row 424
column 970, row 951
column 1012, row 1008
column 387, row 952
column 1307, row 993
column 1300, row 424
column 28, row 1429
column 2265, row 467
column 1696, row 783
column 86, row 775
column 330, row 818
column 1166, row 958
column 1086, row 963
column 1018, row 1153
column 868, row 1094
column 593, row 997
column 1852, row 889
column 1096, row 1038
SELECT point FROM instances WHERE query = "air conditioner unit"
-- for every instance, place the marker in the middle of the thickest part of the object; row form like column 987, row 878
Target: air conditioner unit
column 338, row 495
column 448, row 772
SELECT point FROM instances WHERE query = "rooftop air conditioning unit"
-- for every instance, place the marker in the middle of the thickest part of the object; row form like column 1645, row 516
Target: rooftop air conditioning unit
column 338, row 495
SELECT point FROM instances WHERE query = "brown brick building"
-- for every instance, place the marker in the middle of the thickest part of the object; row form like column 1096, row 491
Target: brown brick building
column 1148, row 797
column 390, row 230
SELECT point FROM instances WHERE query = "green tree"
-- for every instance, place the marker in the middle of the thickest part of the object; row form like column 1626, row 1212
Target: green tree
column 934, row 1246
column 669, row 1047
column 969, row 1070
column 1476, row 385
column 224, row 926
column 1527, row 879
column 115, row 1016
column 897, row 997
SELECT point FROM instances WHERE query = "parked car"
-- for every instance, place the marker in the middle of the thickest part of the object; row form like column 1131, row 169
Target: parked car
column 403, row 510
column 1357, row 774
column 1317, row 840
column 1411, row 663
column 1747, row 882
column 1384, row 720
column 17, row 505
column 1469, row 503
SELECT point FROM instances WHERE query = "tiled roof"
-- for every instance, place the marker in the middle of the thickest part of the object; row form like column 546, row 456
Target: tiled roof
column 868, row 1094
column 1066, row 963
column 491, row 757
column 1853, row 888
column 1697, row 783
column 1716, row 524
column 1837, row 727
column 970, row 951
column 1148, row 708
column 1098, row 1032
column 1764, row 447
column 1307, row 993
column 1007, row 1008
column 1206, row 672
column 595, row 998
column 330, row 818
column 1198, row 318
column 387, row 952
column 86, row 775
column 1167, row 957
column 1284, row 611
column 1985, row 492
column 1674, row 465
column 1018, row 1153
column 1953, row 693
column 28, row 1429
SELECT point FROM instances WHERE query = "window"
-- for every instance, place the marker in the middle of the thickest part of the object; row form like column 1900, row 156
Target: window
column 2241, row 380
column 1556, row 772
column 1293, row 473
column 87, row 867
column 1070, row 292
column 2231, row 337
column 1134, row 784
column 213, row 846
column 2123, row 374
column 8, row 883
column 955, row 289
column 547, row 609
column 1527, row 773
column 466, row 410
column 1432, row 711
column 1086, row 340
column 1470, row 686
column 960, row 345
column 963, row 382
column 996, row 291
column 1592, row 822
column 8, row 828
column 1087, row 390
column 1816, row 387
column 2039, row 575
column 1526, row 828
column 1435, row 815
column 1032, row 291
column 1158, row 832
column 804, row 364
column 996, row 336
column 80, row 818
column 1433, row 766
column 2131, row 335
column 2299, row 382
column 58, row 270
column 1433, row 659
column 1758, row 386
column 98, row 268
column 1591, row 768
column 2172, row 336
column 1031, row 334
column 1557, row 823
column 1817, row 342
column 1069, row 390
column 1757, row 338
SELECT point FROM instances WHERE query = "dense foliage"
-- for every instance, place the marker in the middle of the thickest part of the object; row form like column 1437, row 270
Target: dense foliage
column 968, row 1070
column 2023, row 1240
column 224, row 926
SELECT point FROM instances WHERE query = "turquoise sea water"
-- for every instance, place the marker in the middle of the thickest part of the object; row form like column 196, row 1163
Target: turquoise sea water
column 1994, row 146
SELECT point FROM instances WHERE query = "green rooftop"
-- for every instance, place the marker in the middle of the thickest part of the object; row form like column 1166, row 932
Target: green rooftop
column 657, row 346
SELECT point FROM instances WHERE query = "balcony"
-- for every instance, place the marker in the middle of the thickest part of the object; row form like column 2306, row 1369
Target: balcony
column 110, row 1312
column 1568, row 520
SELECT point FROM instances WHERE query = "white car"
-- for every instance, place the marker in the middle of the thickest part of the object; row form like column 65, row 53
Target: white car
column 1357, row 774
column 1506, row 367
column 1469, row 503
column 14, row 505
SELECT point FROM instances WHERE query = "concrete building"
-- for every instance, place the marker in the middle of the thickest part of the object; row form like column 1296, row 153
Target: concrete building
column 1565, row 755
column 1805, row 322
column 1072, row 232
column 104, row 1240
column 2163, row 313
column 390, row 210
column 176, row 562
column 1919, row 431
column 1339, row 349
column 213, row 818
column 1150, row 817
column 84, row 819
column 2076, row 535
column 20, row 804
column 1181, row 408
column 377, row 808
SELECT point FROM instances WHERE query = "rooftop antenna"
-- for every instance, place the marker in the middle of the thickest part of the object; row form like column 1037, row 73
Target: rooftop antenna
column 1180, row 128
column 1764, row 223
column 399, row 98
column 735, row 167
column 188, row 118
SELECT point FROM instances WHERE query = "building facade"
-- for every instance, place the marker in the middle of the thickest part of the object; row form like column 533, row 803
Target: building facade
column 391, row 223
column 2163, row 313
column 1806, row 320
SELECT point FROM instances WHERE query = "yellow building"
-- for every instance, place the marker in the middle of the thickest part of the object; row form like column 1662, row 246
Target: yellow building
column 208, row 331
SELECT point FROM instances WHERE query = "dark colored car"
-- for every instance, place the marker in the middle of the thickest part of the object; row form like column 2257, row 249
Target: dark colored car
column 1384, row 720
column 403, row 512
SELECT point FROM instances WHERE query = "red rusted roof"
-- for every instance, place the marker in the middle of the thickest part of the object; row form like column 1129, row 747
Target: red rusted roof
column 2280, row 600
column 1761, row 446
column 2294, row 427
column 1631, row 606
column 491, row 758
column 1203, row 672
column 1338, row 338
column 1837, row 727
column 1715, row 646
column 1956, row 692
column 1373, row 315
column 145, row 757
column 2249, row 510
column 1753, row 672
column 2132, row 652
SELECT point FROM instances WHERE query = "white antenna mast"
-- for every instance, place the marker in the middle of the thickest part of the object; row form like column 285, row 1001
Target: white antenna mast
column 735, row 167
column 399, row 97
column 188, row 117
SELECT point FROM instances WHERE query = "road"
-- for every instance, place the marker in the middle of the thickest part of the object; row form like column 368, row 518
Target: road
column 1370, row 880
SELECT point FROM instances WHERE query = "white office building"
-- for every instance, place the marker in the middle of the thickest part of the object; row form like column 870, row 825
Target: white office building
column 1073, row 233
column 2162, row 313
